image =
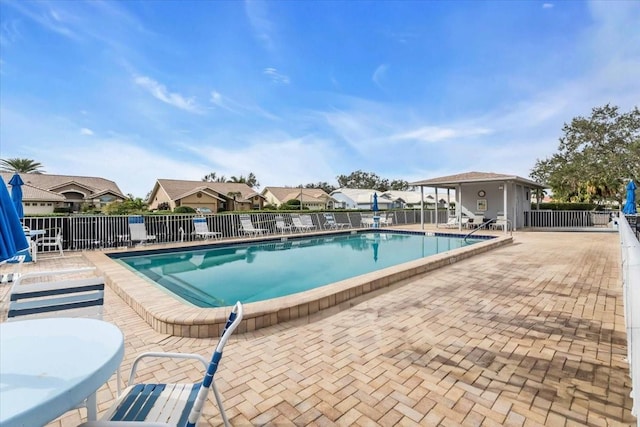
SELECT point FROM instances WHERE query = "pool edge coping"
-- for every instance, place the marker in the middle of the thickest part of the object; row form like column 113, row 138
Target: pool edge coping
column 159, row 309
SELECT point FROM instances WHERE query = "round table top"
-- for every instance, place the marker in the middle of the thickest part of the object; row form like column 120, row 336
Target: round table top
column 49, row 366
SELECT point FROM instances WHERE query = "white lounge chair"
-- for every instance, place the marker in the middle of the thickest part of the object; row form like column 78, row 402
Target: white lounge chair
column 201, row 229
column 298, row 225
column 307, row 221
column 247, row 227
column 452, row 223
column 169, row 404
column 16, row 262
column 330, row 222
column 138, row 230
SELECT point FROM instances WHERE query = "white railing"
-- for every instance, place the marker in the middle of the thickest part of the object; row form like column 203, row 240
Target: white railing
column 91, row 232
column 630, row 248
column 567, row 219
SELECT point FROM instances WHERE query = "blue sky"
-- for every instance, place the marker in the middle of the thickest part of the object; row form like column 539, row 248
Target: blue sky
column 303, row 91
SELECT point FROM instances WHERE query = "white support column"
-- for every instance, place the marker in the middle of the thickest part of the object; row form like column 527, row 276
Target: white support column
column 436, row 188
column 422, row 207
column 505, row 209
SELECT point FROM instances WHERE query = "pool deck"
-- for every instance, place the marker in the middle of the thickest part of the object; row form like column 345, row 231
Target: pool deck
column 531, row 333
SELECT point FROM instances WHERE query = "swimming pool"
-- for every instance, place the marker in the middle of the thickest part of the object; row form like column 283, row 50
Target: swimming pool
column 221, row 275
column 171, row 315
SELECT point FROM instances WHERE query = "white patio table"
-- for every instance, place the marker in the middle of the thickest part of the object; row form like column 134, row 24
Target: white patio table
column 49, row 366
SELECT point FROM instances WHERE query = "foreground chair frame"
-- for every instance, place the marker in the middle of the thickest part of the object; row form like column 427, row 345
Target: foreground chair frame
column 170, row 404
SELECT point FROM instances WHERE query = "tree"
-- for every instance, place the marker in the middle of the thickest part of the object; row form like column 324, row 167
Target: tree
column 250, row 180
column 399, row 185
column 325, row 186
column 20, row 165
column 363, row 180
column 596, row 157
column 213, row 177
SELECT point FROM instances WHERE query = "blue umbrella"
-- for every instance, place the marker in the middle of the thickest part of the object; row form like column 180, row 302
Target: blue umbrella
column 375, row 203
column 630, row 207
column 16, row 193
column 12, row 238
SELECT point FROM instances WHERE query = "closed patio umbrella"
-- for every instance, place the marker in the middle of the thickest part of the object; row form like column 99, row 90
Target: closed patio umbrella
column 16, row 194
column 375, row 203
column 12, row 238
column 630, row 207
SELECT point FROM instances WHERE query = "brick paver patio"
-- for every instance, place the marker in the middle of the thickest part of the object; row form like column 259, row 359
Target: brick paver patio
column 529, row 334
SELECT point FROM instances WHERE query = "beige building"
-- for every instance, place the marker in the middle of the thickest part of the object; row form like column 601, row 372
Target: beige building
column 42, row 193
column 312, row 198
column 205, row 196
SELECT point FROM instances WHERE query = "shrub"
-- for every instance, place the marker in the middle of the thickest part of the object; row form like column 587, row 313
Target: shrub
column 164, row 206
column 184, row 209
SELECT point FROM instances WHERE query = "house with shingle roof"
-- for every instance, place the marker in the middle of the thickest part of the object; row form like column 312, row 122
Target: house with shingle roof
column 312, row 198
column 202, row 195
column 358, row 198
column 43, row 193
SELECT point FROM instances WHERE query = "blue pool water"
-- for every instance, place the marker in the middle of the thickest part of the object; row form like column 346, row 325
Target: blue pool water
column 220, row 275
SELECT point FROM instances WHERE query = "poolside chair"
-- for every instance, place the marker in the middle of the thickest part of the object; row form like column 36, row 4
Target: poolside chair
column 17, row 262
column 201, row 229
column 386, row 220
column 247, row 227
column 138, row 231
column 76, row 297
column 54, row 242
column 366, row 220
column 452, row 223
column 282, row 226
column 307, row 221
column 170, row 404
column 499, row 223
column 330, row 222
column 298, row 225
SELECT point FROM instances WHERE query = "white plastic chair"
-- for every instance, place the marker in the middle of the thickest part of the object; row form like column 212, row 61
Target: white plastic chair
column 169, row 404
column 282, row 226
column 50, row 242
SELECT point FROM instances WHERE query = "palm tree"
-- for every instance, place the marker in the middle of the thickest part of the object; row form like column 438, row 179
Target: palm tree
column 250, row 180
column 20, row 165
column 213, row 177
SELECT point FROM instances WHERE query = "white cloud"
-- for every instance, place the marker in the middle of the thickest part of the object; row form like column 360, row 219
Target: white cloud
column 379, row 74
column 86, row 131
column 263, row 27
column 547, row 5
column 160, row 92
column 275, row 76
column 436, row 134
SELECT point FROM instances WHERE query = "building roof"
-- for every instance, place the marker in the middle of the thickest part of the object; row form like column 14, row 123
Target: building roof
column 363, row 196
column 452, row 181
column 176, row 188
column 412, row 197
column 284, row 194
column 31, row 193
column 51, row 183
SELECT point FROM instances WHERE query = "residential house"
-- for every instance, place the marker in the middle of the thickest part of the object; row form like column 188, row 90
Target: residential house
column 213, row 196
column 353, row 198
column 312, row 198
column 42, row 193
